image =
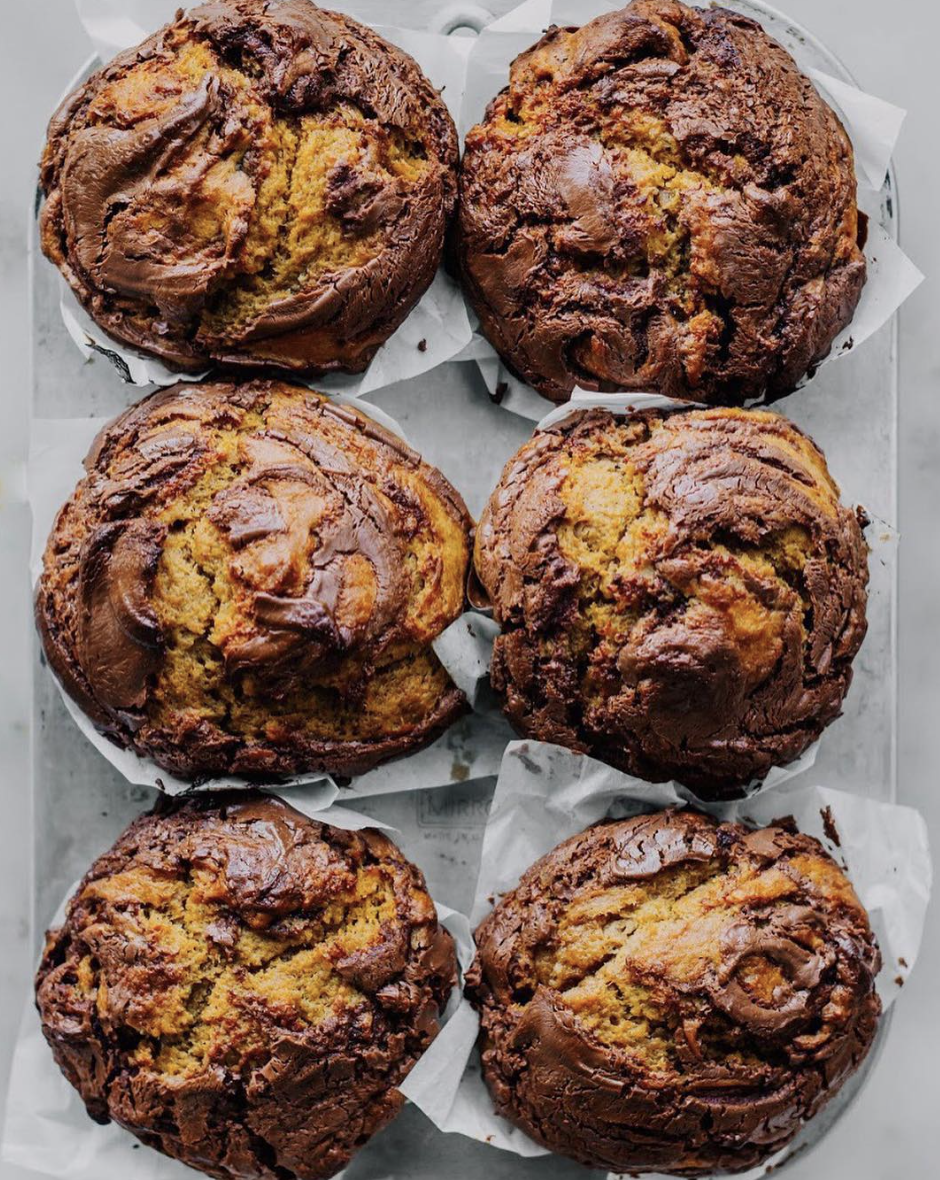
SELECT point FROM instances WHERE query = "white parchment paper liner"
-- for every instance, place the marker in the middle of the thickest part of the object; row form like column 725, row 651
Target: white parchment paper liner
column 469, row 749
column 872, row 124
column 882, row 536
column 438, row 323
column 47, row 1129
column 546, row 793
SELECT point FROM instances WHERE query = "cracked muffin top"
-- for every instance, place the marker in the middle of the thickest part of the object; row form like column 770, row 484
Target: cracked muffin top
column 661, row 201
column 680, row 594
column 244, row 988
column 671, row 994
column 249, row 580
column 261, row 182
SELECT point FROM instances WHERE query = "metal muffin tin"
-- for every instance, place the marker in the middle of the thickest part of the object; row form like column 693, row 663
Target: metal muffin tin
column 81, row 803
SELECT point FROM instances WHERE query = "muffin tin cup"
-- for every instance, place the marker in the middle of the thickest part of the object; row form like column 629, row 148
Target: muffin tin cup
column 873, row 126
column 471, row 747
column 881, row 538
column 46, row 1128
column 546, row 793
column 436, row 330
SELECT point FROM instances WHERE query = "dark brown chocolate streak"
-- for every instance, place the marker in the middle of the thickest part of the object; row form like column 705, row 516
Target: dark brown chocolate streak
column 748, row 1074
column 307, row 606
column 553, row 237
column 307, row 623
column 119, row 638
column 104, row 171
column 148, row 284
column 309, row 1095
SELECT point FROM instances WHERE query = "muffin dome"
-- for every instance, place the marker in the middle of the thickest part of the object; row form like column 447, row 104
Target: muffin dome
column 249, row 580
column 660, row 200
column 243, row 988
column 681, row 594
column 261, row 182
column 670, row 994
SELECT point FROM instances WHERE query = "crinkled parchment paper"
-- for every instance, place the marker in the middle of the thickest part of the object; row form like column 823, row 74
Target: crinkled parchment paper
column 546, row 793
column 873, row 126
column 435, row 331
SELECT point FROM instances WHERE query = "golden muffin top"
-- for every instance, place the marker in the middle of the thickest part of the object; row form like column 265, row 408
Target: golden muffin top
column 660, row 200
column 672, row 994
column 249, row 579
column 681, row 594
column 237, row 984
column 261, row 182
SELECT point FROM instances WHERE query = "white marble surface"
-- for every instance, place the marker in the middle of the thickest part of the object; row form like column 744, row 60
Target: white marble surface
column 889, row 1133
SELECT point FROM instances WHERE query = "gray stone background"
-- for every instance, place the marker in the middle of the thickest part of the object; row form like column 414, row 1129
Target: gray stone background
column 890, row 48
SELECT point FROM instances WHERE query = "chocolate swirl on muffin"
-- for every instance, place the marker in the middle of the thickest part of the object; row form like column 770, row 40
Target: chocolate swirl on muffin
column 249, row 580
column 671, row 994
column 244, row 988
column 680, row 594
column 660, row 200
column 261, row 182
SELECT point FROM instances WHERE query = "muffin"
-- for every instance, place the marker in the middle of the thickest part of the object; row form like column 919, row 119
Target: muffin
column 671, row 994
column 243, row 988
column 249, row 579
column 261, row 182
column 680, row 594
column 660, row 200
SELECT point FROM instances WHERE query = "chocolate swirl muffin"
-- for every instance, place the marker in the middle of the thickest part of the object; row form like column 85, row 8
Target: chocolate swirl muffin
column 243, row 988
column 660, row 200
column 681, row 594
column 671, row 994
column 261, row 182
column 249, row 579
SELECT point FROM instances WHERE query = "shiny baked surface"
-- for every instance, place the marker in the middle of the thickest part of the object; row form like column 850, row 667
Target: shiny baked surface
column 671, row 994
column 680, row 594
column 249, row 579
column 261, row 182
column 243, row 988
column 660, row 200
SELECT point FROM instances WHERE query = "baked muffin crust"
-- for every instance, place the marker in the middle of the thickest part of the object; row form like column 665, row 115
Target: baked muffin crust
column 680, row 594
column 670, row 994
column 660, row 200
column 249, row 580
column 243, row 988
column 261, row 182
